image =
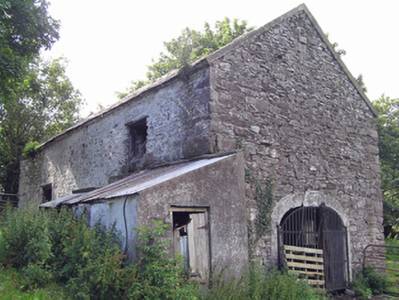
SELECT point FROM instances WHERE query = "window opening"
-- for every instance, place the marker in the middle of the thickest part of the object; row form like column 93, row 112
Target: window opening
column 137, row 142
column 47, row 193
column 191, row 240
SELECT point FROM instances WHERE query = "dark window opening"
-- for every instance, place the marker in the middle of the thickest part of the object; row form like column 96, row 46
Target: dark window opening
column 138, row 138
column 47, row 193
column 191, row 240
column 137, row 143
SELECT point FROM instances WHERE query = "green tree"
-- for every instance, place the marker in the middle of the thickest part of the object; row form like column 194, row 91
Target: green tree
column 41, row 104
column 188, row 47
column 25, row 29
column 388, row 143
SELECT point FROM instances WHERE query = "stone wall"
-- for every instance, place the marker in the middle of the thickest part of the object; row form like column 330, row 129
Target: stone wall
column 220, row 188
column 178, row 127
column 278, row 94
column 285, row 100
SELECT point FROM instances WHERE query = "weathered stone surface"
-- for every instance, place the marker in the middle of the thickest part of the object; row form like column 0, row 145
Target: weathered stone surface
column 319, row 132
column 178, row 127
column 281, row 97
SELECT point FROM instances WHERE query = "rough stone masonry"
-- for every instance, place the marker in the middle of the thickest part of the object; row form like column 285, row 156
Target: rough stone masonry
column 279, row 94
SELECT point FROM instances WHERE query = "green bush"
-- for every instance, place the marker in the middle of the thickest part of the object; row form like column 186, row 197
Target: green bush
column 51, row 247
column 158, row 275
column 30, row 149
column 13, row 285
column 57, row 247
column 368, row 282
column 49, row 252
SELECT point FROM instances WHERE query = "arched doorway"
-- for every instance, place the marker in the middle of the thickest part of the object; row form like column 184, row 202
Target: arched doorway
column 320, row 228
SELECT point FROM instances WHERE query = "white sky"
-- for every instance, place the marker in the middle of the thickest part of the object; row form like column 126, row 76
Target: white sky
column 110, row 43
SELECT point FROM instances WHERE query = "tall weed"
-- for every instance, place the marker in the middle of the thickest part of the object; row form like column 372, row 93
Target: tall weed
column 51, row 247
column 46, row 250
column 158, row 275
column 56, row 247
column 259, row 283
column 368, row 282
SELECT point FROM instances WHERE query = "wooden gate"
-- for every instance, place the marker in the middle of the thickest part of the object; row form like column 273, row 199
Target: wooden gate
column 318, row 228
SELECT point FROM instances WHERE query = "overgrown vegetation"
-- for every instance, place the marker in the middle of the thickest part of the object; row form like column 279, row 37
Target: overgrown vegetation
column 388, row 144
column 258, row 283
column 368, row 282
column 55, row 255
column 263, row 195
column 37, row 99
column 56, row 247
column 53, row 247
column 392, row 265
column 30, row 149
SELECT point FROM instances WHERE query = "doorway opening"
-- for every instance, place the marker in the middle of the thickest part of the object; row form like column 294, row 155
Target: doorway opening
column 191, row 239
column 318, row 228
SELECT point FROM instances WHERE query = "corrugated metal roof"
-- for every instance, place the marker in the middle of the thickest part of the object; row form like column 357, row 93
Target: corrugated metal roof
column 54, row 203
column 137, row 182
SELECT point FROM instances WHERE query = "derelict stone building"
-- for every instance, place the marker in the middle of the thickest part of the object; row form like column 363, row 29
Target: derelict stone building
column 275, row 105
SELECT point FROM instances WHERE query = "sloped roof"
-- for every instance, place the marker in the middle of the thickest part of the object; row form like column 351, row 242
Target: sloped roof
column 206, row 61
column 136, row 183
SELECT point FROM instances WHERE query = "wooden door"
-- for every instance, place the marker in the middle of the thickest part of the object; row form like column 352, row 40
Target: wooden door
column 198, row 245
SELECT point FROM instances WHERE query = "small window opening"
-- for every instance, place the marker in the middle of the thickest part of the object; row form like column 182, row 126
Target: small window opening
column 191, row 240
column 137, row 142
column 138, row 138
column 47, row 193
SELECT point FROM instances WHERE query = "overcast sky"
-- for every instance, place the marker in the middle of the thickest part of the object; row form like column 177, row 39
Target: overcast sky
column 109, row 43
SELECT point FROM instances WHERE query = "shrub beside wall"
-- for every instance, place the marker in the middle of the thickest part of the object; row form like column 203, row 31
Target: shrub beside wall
column 55, row 254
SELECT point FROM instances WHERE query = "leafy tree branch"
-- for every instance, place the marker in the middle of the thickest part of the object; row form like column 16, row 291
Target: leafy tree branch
column 188, row 47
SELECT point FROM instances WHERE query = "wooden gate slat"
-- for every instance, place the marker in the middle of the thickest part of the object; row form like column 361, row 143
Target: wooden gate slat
column 312, row 267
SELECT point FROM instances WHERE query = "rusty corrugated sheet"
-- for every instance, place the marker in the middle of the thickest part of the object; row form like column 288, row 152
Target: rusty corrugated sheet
column 135, row 183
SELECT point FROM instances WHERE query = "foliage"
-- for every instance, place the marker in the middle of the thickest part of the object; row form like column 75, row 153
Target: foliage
column 13, row 285
column 392, row 264
column 51, row 247
column 188, row 47
column 25, row 29
column 340, row 52
column 30, row 149
column 258, row 283
column 159, row 276
column 40, row 106
column 368, row 282
column 388, row 143
column 55, row 254
column 36, row 98
column 361, row 83
column 263, row 196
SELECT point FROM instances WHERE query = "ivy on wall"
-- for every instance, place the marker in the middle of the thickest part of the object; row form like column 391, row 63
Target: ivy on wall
column 263, row 196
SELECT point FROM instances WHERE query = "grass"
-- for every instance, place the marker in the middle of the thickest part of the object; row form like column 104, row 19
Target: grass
column 392, row 273
column 14, row 286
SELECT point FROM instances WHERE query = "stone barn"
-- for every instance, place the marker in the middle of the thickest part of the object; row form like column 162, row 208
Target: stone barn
column 269, row 142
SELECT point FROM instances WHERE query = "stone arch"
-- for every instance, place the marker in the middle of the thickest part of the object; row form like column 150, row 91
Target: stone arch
column 309, row 198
